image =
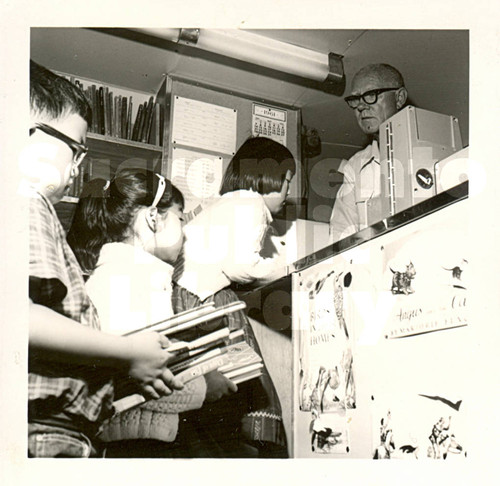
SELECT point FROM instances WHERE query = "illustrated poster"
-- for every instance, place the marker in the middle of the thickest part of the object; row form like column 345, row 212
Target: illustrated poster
column 423, row 426
column 426, row 273
column 326, row 378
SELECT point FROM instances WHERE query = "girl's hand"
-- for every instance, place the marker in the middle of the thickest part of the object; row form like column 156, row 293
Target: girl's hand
column 218, row 386
column 147, row 359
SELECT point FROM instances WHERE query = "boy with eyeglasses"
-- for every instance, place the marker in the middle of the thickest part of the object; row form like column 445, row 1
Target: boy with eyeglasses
column 71, row 363
column 377, row 93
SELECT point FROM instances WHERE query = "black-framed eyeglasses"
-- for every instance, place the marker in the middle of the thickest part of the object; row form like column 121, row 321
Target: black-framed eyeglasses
column 369, row 97
column 79, row 150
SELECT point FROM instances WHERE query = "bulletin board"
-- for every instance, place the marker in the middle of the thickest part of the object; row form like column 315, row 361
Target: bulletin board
column 381, row 335
column 205, row 126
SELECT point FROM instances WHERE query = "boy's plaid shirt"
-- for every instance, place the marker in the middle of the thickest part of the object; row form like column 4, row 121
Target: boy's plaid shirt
column 56, row 281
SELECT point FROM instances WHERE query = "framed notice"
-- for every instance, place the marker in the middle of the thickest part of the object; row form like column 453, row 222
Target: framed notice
column 269, row 122
column 204, row 125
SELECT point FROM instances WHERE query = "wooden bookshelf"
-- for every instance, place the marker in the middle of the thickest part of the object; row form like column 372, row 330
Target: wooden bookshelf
column 118, row 153
column 94, row 139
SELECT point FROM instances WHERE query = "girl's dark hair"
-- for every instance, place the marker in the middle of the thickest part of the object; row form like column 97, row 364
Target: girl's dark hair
column 54, row 96
column 260, row 164
column 105, row 214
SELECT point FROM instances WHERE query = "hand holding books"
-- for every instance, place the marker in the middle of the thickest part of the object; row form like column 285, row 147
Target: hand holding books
column 153, row 356
column 218, row 386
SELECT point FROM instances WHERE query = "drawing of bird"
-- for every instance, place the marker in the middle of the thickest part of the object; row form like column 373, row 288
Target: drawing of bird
column 455, row 406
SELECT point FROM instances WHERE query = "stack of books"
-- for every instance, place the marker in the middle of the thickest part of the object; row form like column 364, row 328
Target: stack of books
column 221, row 350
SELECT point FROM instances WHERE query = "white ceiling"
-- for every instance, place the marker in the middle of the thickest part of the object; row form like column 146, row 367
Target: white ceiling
column 434, row 63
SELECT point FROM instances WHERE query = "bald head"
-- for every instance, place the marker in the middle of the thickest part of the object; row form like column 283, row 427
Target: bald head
column 370, row 114
column 384, row 73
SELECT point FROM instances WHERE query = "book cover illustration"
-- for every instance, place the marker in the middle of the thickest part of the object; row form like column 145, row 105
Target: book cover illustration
column 418, row 427
column 426, row 273
column 328, row 433
column 243, row 362
column 326, row 380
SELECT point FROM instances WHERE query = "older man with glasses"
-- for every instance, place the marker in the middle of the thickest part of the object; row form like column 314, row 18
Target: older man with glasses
column 377, row 93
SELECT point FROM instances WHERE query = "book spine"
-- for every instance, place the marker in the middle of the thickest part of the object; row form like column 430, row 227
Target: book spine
column 88, row 95
column 202, row 368
column 119, row 117
column 162, row 124
column 110, row 112
column 215, row 314
column 196, row 360
column 123, row 124
column 179, row 318
column 245, row 377
column 241, row 370
column 137, row 124
column 129, row 119
column 195, row 353
column 107, row 129
column 95, row 114
column 115, row 111
column 126, row 403
column 101, row 109
column 147, row 122
column 81, row 181
column 157, row 123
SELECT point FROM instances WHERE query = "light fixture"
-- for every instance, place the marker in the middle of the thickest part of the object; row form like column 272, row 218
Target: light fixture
column 262, row 51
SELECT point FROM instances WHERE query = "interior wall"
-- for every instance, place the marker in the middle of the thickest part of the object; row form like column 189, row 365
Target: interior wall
column 324, row 180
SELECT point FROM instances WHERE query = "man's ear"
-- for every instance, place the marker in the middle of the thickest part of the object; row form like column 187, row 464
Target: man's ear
column 152, row 218
column 401, row 97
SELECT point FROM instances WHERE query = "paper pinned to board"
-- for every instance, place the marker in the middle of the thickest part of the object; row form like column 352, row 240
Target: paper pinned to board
column 204, row 125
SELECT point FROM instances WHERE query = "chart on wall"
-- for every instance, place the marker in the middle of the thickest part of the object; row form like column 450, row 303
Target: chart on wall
column 204, row 125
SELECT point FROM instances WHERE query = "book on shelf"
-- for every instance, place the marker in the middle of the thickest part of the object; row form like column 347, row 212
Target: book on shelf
column 148, row 120
column 110, row 104
column 129, row 119
column 101, row 110
column 138, row 121
column 78, row 182
column 123, row 119
column 106, row 109
column 157, row 125
column 94, row 108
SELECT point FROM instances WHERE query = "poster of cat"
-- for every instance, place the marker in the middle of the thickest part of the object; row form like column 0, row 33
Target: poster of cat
column 426, row 272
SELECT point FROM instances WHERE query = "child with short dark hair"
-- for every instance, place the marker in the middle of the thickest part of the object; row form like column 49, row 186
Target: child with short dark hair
column 224, row 241
column 223, row 245
column 71, row 362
